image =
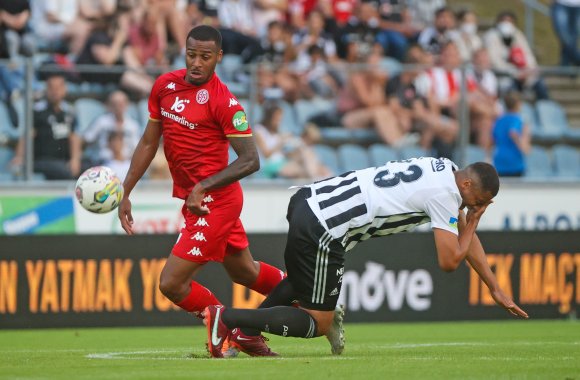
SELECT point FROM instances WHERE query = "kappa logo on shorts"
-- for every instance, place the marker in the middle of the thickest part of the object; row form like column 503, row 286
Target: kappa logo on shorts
column 208, row 199
column 199, row 236
column 201, row 222
column 195, row 252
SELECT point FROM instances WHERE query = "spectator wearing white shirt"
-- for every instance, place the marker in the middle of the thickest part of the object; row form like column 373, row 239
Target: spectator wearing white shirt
column 467, row 39
column 115, row 120
column 442, row 31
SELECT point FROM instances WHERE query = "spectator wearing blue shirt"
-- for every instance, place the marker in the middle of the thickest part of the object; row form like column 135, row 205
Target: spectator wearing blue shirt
column 512, row 139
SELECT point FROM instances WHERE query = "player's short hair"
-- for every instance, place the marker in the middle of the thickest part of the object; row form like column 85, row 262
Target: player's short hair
column 512, row 100
column 206, row 33
column 487, row 176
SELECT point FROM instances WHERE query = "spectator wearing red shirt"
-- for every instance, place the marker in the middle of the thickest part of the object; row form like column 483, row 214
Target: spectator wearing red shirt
column 199, row 119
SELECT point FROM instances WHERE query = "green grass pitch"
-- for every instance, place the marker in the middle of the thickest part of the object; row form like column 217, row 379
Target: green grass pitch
column 458, row 350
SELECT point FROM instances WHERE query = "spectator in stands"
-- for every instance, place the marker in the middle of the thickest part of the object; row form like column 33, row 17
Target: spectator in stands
column 266, row 11
column 512, row 139
column 298, row 12
column 338, row 11
column 396, row 28
column 93, row 10
column 423, row 11
column 485, row 78
column 57, row 147
column 9, row 92
column 511, row 54
column 284, row 155
column 106, row 46
column 59, row 25
column 16, row 35
column 238, row 29
column 315, row 75
column 170, row 18
column 442, row 87
column 362, row 103
column 144, row 44
column 467, row 39
column 442, row 31
column 274, row 72
column 116, row 120
column 119, row 161
column 360, row 32
column 566, row 21
column 314, row 34
column 437, row 132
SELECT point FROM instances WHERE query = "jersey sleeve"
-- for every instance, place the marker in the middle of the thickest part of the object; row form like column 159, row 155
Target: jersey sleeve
column 231, row 116
column 153, row 105
column 443, row 211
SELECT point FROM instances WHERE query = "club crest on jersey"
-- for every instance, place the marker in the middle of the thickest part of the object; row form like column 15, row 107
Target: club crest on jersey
column 202, row 96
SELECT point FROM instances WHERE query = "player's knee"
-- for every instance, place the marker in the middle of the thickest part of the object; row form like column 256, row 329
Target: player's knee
column 170, row 289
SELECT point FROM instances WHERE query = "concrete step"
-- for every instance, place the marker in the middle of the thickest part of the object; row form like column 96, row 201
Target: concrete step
column 562, row 81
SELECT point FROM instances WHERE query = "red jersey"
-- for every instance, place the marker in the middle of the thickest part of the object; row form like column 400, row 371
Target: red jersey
column 196, row 122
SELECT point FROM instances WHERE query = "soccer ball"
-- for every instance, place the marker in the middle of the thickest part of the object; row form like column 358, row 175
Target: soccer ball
column 99, row 190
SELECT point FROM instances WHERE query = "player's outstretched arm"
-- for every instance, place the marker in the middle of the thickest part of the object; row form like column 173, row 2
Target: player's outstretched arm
column 247, row 163
column 142, row 157
column 478, row 261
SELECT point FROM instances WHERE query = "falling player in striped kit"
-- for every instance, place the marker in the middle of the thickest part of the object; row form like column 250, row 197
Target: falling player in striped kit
column 328, row 218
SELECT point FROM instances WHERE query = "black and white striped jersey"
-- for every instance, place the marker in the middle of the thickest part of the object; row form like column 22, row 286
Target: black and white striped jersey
column 392, row 198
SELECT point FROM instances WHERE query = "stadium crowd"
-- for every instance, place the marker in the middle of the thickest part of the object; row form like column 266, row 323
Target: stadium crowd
column 326, row 72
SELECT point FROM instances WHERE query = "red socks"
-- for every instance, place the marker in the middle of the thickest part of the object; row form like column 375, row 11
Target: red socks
column 268, row 278
column 198, row 299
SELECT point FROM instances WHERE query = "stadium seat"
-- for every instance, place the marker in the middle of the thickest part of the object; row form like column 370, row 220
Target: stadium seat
column 475, row 153
column 566, row 160
column 412, row 152
column 353, row 157
column 538, row 163
column 553, row 122
column 530, row 118
column 340, row 135
column 379, row 154
column 328, row 157
column 289, row 121
column 6, row 155
column 253, row 110
column 133, row 112
column 88, row 110
column 305, row 109
column 392, row 66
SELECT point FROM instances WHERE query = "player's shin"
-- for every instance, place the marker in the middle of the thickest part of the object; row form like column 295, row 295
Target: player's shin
column 268, row 277
column 279, row 320
column 198, row 299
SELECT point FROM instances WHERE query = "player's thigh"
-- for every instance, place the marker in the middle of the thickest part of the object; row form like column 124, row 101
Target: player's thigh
column 178, row 271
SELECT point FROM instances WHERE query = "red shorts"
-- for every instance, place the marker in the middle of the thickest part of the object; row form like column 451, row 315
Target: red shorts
column 210, row 237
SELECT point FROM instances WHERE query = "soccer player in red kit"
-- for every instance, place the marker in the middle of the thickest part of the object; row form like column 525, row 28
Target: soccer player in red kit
column 199, row 118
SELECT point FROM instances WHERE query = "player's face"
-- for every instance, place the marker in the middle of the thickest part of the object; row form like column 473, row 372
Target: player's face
column 201, row 57
column 474, row 197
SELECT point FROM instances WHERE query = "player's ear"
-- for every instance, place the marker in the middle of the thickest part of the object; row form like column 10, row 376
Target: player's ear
column 220, row 55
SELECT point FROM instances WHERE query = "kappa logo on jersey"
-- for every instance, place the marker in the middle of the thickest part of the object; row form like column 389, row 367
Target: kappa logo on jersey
column 239, row 121
column 202, row 96
column 199, row 236
column 170, row 86
column 233, row 102
column 208, row 199
column 179, row 104
column 195, row 252
column 201, row 222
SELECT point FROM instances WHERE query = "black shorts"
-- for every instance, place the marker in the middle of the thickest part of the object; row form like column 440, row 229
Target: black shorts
column 314, row 260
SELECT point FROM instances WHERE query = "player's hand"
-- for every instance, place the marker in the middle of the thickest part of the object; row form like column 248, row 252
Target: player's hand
column 507, row 303
column 193, row 201
column 474, row 213
column 125, row 216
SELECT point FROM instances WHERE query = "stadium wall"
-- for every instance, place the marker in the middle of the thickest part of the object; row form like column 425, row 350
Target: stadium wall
column 112, row 280
column 52, row 209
